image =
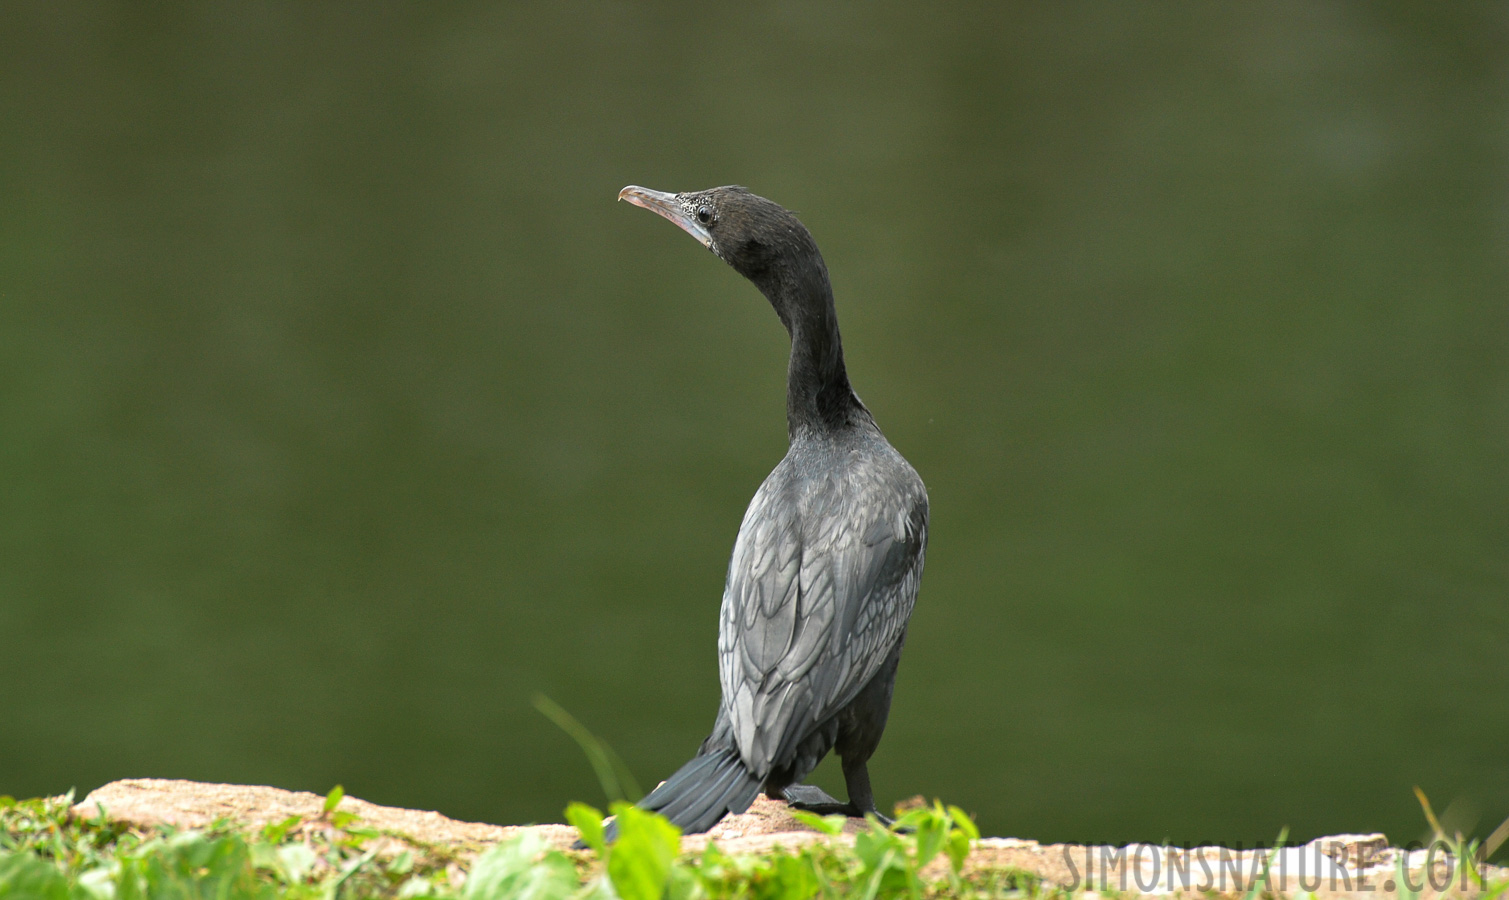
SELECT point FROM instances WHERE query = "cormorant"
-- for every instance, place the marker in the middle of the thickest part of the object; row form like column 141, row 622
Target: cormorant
column 826, row 566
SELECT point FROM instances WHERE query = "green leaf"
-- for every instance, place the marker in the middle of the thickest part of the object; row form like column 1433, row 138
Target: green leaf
column 932, row 830
column 964, row 823
column 589, row 823
column 796, row 877
column 275, row 832
column 26, row 877
column 639, row 864
column 503, row 861
column 881, row 855
column 99, row 882
column 829, row 825
column 964, row 833
column 878, row 848
column 333, row 799
column 958, row 850
column 552, row 878
column 516, row 870
column 713, row 865
column 683, row 885
column 295, row 861
column 265, row 856
column 191, row 864
column 416, row 886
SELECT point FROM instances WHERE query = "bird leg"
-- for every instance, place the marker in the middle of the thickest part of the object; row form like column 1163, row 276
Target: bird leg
column 813, row 799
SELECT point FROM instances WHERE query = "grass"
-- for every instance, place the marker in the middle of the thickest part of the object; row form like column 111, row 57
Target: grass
column 45, row 854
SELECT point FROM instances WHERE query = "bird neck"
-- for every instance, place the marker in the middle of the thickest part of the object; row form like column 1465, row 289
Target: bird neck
column 818, row 396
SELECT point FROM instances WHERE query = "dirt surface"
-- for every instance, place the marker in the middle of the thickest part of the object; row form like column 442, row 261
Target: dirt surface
column 148, row 802
column 1342, row 866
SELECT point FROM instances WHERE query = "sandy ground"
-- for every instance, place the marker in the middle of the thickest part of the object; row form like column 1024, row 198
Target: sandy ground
column 1341, row 866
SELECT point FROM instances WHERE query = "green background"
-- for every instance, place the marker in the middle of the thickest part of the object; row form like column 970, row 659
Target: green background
column 342, row 408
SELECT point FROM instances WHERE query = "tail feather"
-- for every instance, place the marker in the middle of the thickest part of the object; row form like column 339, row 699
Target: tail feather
column 703, row 791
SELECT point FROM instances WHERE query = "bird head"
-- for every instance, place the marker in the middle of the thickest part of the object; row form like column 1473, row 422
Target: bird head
column 762, row 240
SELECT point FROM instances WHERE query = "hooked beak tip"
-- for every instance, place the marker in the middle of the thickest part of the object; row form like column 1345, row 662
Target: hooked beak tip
column 666, row 205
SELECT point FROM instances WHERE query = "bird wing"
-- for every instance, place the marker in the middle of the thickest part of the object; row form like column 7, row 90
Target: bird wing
column 820, row 587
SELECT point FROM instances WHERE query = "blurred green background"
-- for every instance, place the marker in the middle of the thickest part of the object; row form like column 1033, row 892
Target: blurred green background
column 342, row 408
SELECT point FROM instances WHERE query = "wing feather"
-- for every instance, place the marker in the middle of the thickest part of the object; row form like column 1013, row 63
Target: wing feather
column 822, row 580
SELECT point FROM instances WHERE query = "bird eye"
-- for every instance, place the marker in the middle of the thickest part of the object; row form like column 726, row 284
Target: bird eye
column 704, row 215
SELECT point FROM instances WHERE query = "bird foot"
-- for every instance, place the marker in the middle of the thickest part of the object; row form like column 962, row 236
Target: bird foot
column 815, row 800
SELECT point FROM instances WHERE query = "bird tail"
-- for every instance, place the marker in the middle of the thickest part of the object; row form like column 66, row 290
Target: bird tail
column 701, row 792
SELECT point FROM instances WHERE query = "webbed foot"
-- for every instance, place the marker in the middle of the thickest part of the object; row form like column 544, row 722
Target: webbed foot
column 813, row 799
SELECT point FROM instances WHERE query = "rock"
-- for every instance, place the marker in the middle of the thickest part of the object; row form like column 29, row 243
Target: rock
column 766, row 824
column 1342, row 866
column 148, row 802
column 1358, row 851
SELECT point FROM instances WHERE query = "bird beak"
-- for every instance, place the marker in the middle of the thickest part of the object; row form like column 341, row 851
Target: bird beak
column 667, row 205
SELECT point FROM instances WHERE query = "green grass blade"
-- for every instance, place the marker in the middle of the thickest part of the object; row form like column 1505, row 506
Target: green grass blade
column 1495, row 840
column 1430, row 815
column 616, row 780
column 1262, row 880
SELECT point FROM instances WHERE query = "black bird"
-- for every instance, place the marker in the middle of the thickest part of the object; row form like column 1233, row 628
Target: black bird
column 826, row 566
